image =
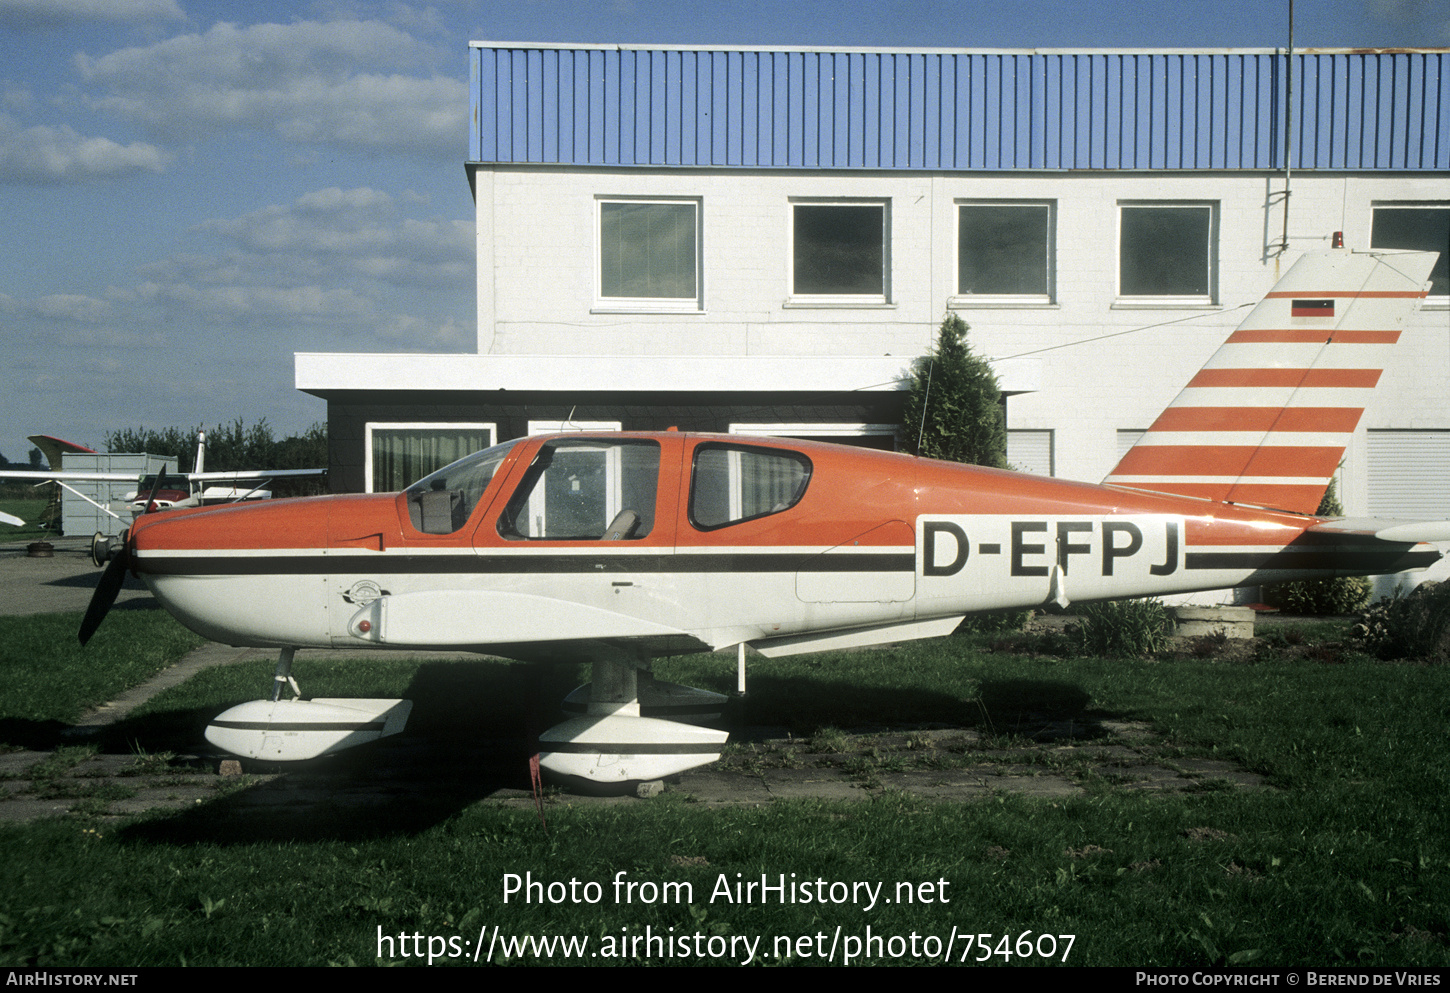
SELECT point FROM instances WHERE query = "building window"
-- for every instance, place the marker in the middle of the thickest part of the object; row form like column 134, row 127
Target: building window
column 400, row 454
column 571, row 425
column 839, row 252
column 1422, row 227
column 1030, row 450
column 649, row 255
column 1005, row 252
column 1166, row 252
column 858, row 435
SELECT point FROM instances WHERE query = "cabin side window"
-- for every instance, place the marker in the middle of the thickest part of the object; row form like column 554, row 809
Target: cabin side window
column 734, row 483
column 586, row 489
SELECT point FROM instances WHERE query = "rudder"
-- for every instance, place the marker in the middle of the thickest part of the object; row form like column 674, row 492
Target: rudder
column 1267, row 419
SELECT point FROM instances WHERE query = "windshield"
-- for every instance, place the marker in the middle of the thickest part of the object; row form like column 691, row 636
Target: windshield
column 441, row 503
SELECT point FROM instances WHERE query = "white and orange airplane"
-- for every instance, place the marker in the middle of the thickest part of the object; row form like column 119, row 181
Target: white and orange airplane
column 621, row 548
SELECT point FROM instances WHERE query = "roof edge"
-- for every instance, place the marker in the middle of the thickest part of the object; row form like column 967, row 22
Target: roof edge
column 850, row 49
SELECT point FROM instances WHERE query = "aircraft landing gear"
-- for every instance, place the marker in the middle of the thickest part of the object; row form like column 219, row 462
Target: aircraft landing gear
column 294, row 730
column 630, row 727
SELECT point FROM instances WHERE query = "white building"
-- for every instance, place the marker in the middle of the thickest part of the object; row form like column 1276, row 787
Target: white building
column 764, row 240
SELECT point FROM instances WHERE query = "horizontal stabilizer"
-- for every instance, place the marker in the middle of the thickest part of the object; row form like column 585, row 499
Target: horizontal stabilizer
column 1410, row 532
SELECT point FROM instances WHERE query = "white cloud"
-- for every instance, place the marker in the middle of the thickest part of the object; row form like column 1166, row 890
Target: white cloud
column 56, row 155
column 26, row 15
column 339, row 83
column 406, row 332
column 337, row 233
column 71, row 307
column 16, row 97
column 254, row 302
column 1430, row 17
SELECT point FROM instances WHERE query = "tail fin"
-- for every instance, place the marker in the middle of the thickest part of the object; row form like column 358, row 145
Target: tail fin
column 1266, row 421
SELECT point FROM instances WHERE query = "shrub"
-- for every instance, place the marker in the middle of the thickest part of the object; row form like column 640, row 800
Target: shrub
column 1124, row 627
column 1317, row 597
column 995, row 622
column 953, row 407
column 1415, row 626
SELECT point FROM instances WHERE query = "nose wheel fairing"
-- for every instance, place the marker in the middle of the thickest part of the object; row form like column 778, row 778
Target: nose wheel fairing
column 298, row 730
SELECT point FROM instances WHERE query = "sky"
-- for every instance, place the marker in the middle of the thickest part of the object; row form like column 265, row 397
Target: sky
column 190, row 192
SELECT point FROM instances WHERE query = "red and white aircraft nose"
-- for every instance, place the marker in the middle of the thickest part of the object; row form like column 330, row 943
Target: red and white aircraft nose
column 240, row 575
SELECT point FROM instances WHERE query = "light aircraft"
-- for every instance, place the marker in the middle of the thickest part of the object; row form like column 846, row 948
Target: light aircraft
column 621, row 548
column 164, row 491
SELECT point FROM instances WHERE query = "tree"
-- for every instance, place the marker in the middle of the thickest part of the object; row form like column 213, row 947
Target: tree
column 954, row 406
column 235, row 446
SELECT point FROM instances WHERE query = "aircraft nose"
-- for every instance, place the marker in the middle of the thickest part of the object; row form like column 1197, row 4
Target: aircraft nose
column 233, row 528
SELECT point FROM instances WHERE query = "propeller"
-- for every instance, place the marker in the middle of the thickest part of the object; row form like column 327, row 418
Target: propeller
column 107, row 589
column 115, row 575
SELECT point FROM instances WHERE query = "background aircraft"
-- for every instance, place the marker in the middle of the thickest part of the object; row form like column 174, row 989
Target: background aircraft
column 617, row 549
column 164, row 491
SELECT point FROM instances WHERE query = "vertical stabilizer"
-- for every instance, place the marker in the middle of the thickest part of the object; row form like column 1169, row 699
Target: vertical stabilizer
column 1267, row 420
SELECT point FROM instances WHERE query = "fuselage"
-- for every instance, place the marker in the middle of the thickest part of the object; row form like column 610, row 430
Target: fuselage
column 675, row 542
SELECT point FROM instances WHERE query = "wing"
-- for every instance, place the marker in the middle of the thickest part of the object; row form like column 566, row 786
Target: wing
column 69, row 476
column 240, row 474
column 514, row 625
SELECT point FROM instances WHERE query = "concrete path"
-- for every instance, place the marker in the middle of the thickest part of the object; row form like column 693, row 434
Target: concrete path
column 62, row 583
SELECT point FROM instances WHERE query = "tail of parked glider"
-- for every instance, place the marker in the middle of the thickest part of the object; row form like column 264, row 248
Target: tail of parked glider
column 1267, row 420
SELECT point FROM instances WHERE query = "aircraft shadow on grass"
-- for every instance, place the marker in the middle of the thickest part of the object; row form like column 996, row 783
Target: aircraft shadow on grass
column 468, row 741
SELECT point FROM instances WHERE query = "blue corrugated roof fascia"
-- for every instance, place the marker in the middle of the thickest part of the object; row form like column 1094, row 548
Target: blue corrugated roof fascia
column 947, row 109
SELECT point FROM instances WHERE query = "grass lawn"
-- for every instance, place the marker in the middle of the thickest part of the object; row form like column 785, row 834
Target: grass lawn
column 1343, row 859
column 28, row 511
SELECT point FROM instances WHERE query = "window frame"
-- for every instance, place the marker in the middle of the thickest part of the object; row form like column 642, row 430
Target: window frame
column 1206, row 301
column 572, row 427
column 648, row 305
column 963, row 300
column 529, row 500
column 795, row 298
column 1435, row 301
column 371, row 426
column 735, row 481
